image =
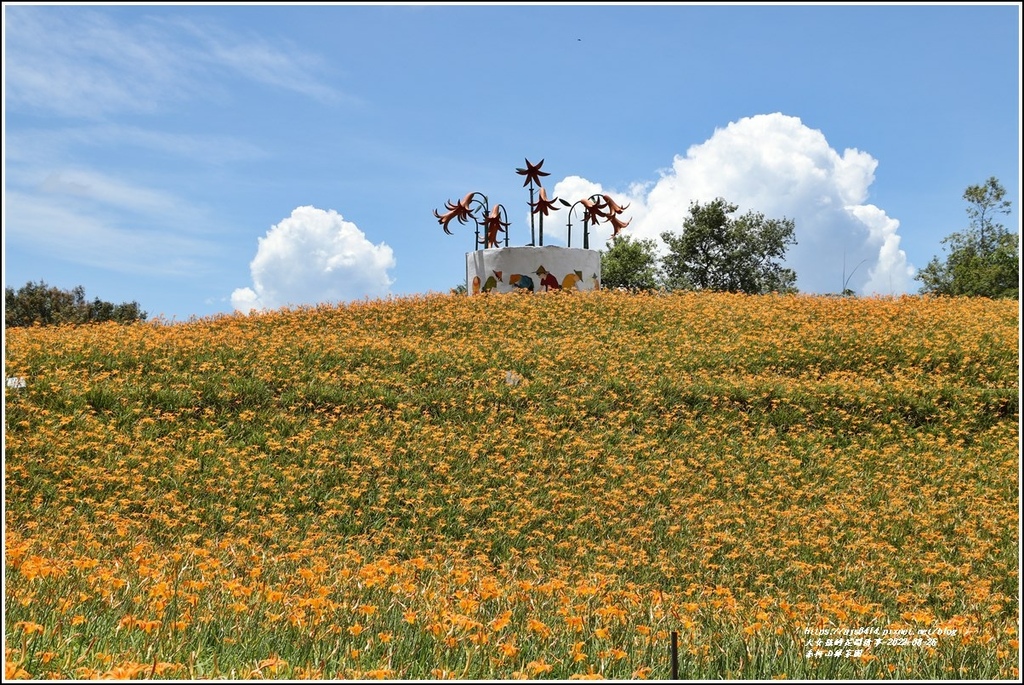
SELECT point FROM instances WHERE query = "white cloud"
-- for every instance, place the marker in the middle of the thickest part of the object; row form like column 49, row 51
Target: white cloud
column 314, row 256
column 571, row 189
column 776, row 165
column 891, row 266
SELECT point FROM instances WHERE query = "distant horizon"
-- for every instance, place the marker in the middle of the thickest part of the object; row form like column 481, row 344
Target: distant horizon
column 398, row 298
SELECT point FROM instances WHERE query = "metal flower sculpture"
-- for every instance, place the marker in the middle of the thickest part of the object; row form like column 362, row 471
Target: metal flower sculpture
column 617, row 224
column 542, row 206
column 492, row 225
column 595, row 208
column 612, row 205
column 612, row 215
column 494, row 221
column 464, row 210
column 532, row 173
column 459, row 210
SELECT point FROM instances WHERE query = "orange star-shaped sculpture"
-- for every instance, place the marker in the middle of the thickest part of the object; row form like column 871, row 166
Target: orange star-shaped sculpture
column 532, row 173
column 544, row 205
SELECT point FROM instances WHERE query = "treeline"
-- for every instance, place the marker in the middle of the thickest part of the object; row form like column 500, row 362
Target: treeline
column 984, row 259
column 719, row 252
column 44, row 305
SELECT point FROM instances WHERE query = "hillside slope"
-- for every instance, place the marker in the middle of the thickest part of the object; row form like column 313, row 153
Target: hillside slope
column 519, row 486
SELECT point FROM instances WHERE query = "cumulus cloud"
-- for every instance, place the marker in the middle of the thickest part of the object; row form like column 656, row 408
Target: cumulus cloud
column 776, row 165
column 314, row 256
column 570, row 189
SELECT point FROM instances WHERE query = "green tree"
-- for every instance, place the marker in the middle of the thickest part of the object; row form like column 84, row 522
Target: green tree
column 719, row 252
column 629, row 263
column 983, row 260
column 48, row 305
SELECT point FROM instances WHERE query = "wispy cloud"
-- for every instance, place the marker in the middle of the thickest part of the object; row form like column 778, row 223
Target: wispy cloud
column 76, row 62
column 101, row 189
column 81, row 216
column 282, row 65
column 64, row 196
column 89, row 234
column 79, row 63
column 37, row 147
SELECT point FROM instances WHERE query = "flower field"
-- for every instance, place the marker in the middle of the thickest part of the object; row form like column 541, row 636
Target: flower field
column 519, row 486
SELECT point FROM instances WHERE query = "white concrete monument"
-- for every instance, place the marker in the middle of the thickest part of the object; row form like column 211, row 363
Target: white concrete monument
column 535, row 267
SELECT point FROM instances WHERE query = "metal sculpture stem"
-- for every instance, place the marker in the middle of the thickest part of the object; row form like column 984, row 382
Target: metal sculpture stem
column 541, row 233
column 533, row 238
column 586, row 226
column 476, row 220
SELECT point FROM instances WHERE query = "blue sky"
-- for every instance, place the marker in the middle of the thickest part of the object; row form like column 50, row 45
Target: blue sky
column 200, row 159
